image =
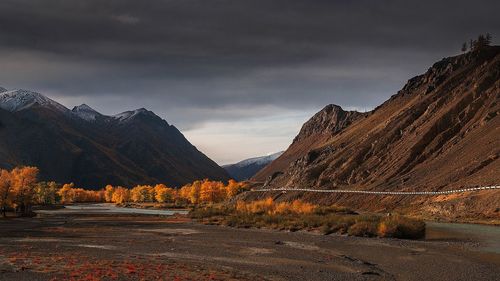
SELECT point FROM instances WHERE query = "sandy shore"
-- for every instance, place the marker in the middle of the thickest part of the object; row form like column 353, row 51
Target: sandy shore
column 133, row 247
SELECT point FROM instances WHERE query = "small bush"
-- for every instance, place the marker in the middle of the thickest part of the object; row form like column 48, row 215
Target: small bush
column 401, row 227
column 210, row 211
column 363, row 229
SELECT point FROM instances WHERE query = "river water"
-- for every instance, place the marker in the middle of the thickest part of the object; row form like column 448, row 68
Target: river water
column 107, row 208
column 487, row 236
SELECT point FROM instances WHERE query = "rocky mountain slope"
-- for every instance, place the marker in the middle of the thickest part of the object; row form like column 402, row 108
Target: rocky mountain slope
column 247, row 168
column 325, row 124
column 92, row 149
column 440, row 131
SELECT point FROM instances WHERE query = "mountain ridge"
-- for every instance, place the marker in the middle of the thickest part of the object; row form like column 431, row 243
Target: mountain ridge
column 92, row 150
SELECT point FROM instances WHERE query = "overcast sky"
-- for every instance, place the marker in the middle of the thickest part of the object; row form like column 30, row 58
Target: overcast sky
column 238, row 78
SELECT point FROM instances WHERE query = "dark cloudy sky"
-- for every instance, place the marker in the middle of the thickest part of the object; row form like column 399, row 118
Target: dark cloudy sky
column 237, row 77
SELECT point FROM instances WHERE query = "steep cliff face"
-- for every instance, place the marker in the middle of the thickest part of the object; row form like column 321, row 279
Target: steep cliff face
column 325, row 124
column 441, row 131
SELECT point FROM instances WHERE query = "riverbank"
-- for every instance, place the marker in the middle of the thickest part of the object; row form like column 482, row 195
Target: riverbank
column 131, row 247
column 298, row 215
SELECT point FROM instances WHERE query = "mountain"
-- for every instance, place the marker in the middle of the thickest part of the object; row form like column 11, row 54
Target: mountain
column 441, row 131
column 91, row 149
column 86, row 112
column 246, row 169
column 325, row 124
column 18, row 100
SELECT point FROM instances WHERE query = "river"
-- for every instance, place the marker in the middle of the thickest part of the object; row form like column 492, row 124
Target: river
column 108, row 208
column 486, row 236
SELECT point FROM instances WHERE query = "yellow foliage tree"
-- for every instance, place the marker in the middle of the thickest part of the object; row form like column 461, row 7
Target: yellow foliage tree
column 108, row 193
column 142, row 193
column 212, row 192
column 46, row 193
column 6, row 194
column 233, row 188
column 23, row 182
column 66, row 193
column 164, row 194
column 120, row 195
column 194, row 192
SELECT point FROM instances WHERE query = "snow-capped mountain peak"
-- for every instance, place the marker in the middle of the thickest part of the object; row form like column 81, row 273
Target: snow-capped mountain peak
column 2, row 89
column 127, row 115
column 86, row 112
column 259, row 160
column 17, row 100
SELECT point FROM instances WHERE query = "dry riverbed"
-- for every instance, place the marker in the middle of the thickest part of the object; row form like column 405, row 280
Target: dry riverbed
column 96, row 246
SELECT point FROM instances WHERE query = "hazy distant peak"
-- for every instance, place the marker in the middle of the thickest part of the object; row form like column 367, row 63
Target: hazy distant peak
column 246, row 169
column 259, row 160
column 17, row 100
column 2, row 90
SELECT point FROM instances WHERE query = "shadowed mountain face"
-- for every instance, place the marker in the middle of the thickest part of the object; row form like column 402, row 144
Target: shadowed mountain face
column 247, row 168
column 441, row 131
column 91, row 149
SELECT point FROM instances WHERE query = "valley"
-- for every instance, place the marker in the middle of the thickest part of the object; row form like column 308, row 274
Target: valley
column 90, row 246
column 312, row 141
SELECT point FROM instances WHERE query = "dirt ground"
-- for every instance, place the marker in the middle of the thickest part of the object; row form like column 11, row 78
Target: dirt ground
column 111, row 247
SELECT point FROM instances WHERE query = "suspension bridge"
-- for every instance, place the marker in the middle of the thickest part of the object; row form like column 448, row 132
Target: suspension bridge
column 463, row 190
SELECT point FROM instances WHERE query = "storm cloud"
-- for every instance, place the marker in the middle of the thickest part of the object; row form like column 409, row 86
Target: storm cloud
column 202, row 63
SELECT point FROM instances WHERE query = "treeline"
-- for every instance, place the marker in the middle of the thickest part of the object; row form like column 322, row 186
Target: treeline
column 20, row 190
column 481, row 42
column 205, row 191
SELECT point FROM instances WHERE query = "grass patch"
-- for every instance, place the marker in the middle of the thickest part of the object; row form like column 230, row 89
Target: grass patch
column 298, row 215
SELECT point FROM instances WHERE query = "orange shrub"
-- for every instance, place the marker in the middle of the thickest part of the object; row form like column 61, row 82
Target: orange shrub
column 268, row 206
column 401, row 227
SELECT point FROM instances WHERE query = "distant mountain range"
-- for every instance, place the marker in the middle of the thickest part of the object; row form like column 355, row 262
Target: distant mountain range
column 247, row 168
column 441, row 131
column 91, row 149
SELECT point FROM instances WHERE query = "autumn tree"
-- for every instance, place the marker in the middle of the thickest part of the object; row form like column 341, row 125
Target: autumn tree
column 212, row 191
column 120, row 195
column 46, row 193
column 233, row 188
column 142, row 193
column 164, row 194
column 6, row 194
column 194, row 192
column 23, row 182
column 66, row 193
column 108, row 193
